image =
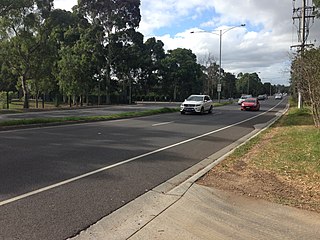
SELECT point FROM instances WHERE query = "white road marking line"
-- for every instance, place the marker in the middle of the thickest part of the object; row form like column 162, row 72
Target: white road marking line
column 159, row 124
column 126, row 161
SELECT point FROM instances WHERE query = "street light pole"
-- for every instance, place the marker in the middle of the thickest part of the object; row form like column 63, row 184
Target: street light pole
column 270, row 89
column 220, row 56
column 221, row 32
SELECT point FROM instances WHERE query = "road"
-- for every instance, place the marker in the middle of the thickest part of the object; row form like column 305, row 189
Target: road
column 57, row 181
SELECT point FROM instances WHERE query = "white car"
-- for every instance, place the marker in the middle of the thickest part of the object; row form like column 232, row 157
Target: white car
column 278, row 96
column 243, row 97
column 197, row 104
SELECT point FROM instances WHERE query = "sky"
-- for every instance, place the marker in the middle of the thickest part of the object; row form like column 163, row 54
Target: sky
column 262, row 46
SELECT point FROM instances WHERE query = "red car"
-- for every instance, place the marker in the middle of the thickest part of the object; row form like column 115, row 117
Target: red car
column 250, row 104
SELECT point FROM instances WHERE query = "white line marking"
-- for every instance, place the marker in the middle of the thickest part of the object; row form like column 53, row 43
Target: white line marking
column 159, row 124
column 126, row 161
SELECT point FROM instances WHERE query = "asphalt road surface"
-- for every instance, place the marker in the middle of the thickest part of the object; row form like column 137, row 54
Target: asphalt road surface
column 57, row 181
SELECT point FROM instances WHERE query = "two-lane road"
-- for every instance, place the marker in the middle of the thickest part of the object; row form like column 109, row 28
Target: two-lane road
column 57, row 181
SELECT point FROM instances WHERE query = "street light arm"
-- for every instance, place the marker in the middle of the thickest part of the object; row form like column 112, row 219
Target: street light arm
column 221, row 31
column 227, row 30
column 205, row 32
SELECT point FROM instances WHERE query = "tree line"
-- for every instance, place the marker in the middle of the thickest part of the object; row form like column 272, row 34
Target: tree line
column 95, row 54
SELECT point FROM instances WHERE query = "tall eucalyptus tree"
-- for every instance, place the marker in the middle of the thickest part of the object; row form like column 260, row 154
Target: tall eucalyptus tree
column 181, row 74
column 80, row 59
column 117, row 17
column 153, row 54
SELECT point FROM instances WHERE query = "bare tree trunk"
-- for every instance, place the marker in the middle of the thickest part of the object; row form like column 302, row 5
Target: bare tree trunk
column 87, row 99
column 37, row 99
column 316, row 114
column 25, row 92
column 130, row 90
column 7, row 99
column 108, row 81
column 43, row 99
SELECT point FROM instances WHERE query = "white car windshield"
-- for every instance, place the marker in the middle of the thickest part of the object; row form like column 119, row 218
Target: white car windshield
column 195, row 98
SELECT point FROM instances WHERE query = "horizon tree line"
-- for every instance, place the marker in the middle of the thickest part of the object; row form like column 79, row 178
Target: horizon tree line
column 95, row 55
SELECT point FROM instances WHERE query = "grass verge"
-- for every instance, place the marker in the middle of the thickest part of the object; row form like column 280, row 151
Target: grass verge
column 282, row 164
column 66, row 120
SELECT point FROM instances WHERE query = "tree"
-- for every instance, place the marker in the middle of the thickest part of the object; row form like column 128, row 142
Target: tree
column 307, row 65
column 249, row 83
column 127, row 54
column 229, row 85
column 80, row 58
column 115, row 16
column 210, row 75
column 317, row 5
column 23, row 22
column 150, row 78
column 8, row 79
column 181, row 74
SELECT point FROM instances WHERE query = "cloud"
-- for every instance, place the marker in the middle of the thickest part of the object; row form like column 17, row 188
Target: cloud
column 263, row 46
column 64, row 4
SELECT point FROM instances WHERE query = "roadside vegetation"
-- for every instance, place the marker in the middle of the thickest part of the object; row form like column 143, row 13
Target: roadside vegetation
column 69, row 120
column 82, row 57
column 281, row 165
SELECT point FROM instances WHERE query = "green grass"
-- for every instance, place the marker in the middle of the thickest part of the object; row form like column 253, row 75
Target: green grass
column 289, row 148
column 222, row 104
column 85, row 119
column 297, row 117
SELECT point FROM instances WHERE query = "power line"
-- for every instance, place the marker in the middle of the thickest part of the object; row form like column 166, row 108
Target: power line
column 305, row 18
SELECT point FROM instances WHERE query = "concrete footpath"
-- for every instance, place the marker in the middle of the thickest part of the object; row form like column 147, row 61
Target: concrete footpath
column 182, row 209
column 199, row 212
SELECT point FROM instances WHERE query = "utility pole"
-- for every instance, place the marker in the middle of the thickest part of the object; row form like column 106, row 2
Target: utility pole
column 304, row 15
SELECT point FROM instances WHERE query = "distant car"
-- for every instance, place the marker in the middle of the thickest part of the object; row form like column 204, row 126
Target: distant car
column 243, row 97
column 250, row 104
column 278, row 96
column 262, row 97
column 197, row 104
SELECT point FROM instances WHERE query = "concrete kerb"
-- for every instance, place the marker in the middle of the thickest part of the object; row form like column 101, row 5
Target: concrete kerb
column 134, row 216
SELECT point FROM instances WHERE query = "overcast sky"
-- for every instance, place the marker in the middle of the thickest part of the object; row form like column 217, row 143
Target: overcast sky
column 262, row 46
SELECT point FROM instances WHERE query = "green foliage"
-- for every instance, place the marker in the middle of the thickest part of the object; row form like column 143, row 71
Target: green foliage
column 181, row 74
column 23, row 24
column 317, row 5
column 250, row 83
column 305, row 75
column 297, row 117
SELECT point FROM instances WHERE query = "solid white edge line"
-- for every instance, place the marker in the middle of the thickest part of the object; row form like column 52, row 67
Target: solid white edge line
column 2, row 203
